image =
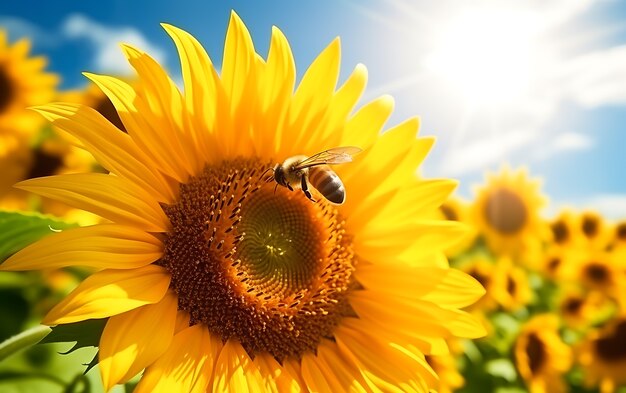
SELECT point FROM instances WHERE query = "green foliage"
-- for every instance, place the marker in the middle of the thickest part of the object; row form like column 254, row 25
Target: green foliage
column 19, row 229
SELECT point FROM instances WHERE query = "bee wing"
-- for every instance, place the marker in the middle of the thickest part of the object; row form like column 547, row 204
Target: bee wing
column 337, row 155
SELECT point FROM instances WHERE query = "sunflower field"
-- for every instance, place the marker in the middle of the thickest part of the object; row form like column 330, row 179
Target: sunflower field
column 253, row 227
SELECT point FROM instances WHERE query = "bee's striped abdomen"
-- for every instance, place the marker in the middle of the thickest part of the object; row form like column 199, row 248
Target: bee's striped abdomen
column 327, row 183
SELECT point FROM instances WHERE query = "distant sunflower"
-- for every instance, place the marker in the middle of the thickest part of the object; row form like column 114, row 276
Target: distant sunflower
column 558, row 263
column 602, row 355
column 455, row 209
column 564, row 229
column 619, row 235
column 594, row 230
column 506, row 212
column 446, row 368
column 601, row 271
column 490, row 277
column 23, row 83
column 580, row 309
column 515, row 292
column 213, row 279
column 541, row 356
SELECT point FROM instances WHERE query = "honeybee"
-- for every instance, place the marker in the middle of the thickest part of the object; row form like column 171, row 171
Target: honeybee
column 299, row 171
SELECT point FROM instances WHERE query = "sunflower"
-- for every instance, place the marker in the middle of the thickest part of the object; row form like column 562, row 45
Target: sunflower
column 618, row 240
column 580, row 309
column 558, row 263
column 516, row 292
column 602, row 354
column 601, row 271
column 541, row 356
column 241, row 284
column 23, row 83
column 506, row 212
column 455, row 209
column 594, row 230
column 490, row 277
column 564, row 229
column 446, row 368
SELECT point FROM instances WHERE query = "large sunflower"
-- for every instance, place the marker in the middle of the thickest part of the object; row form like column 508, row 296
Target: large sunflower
column 506, row 212
column 211, row 278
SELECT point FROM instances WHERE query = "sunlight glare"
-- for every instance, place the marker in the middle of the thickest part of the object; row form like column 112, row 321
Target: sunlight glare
column 485, row 55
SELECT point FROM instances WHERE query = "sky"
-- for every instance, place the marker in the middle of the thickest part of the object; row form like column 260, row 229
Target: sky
column 532, row 83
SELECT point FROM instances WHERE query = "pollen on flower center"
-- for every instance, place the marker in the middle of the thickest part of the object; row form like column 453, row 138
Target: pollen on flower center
column 270, row 269
column 6, row 90
column 505, row 211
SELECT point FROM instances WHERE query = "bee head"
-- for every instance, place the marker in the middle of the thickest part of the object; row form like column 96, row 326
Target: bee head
column 279, row 175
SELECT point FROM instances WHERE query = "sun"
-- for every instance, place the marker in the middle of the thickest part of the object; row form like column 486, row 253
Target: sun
column 486, row 55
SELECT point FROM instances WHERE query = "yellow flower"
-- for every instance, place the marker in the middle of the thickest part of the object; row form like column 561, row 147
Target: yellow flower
column 618, row 240
column 490, row 277
column 594, row 230
column 516, row 292
column 455, row 209
column 215, row 279
column 446, row 368
column 23, row 83
column 580, row 309
column 541, row 356
column 601, row 271
column 602, row 356
column 506, row 212
column 558, row 263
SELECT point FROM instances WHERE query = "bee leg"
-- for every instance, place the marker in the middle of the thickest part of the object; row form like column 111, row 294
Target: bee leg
column 305, row 189
column 289, row 187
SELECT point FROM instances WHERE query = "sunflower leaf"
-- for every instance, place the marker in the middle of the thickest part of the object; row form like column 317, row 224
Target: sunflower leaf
column 84, row 333
column 19, row 229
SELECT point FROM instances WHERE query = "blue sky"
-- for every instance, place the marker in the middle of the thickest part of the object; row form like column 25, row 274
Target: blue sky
column 528, row 82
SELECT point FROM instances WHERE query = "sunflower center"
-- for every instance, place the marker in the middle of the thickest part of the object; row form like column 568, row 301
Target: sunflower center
column 269, row 269
column 621, row 231
column 597, row 273
column 106, row 108
column 6, row 89
column 613, row 346
column 44, row 164
column 590, row 227
column 505, row 211
column 511, row 286
column 573, row 305
column 553, row 264
column 536, row 353
column 560, row 232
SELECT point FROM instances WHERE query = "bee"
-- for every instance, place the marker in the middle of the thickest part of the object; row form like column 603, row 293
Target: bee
column 299, row 171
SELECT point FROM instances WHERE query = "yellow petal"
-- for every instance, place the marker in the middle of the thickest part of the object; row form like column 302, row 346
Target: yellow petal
column 101, row 246
column 161, row 106
column 111, row 292
column 202, row 90
column 114, row 149
column 275, row 90
column 414, row 317
column 313, row 96
column 185, row 366
column 135, row 339
column 365, row 125
column 276, row 378
column 448, row 288
column 385, row 365
column 108, row 196
column 234, row 371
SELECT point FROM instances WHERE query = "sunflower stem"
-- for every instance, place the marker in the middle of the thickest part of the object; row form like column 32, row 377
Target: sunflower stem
column 23, row 340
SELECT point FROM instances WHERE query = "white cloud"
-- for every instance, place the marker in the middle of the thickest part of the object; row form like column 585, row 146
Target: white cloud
column 21, row 28
column 598, row 78
column 570, row 141
column 105, row 41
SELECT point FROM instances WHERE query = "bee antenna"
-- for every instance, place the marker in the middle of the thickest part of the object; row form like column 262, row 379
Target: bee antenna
column 264, row 172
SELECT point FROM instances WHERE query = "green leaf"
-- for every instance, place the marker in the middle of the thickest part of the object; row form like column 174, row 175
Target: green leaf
column 23, row 340
column 84, row 333
column 502, row 368
column 19, row 229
